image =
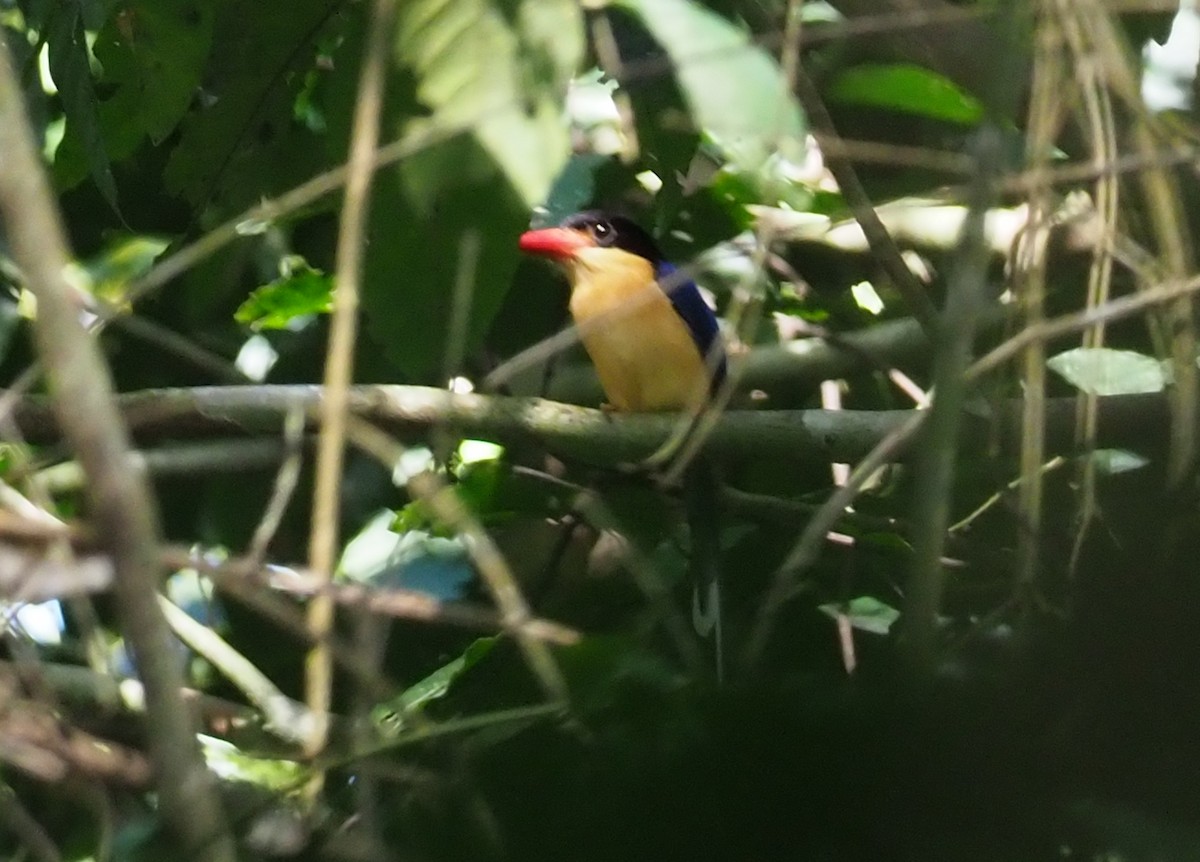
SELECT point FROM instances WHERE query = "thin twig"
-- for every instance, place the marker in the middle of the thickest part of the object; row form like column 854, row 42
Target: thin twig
column 340, row 358
column 285, row 485
column 1097, row 104
column 1168, row 228
column 1029, row 277
column 935, row 466
column 284, row 717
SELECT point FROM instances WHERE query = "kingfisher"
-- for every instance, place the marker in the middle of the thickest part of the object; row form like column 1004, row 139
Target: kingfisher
column 654, row 341
column 656, row 346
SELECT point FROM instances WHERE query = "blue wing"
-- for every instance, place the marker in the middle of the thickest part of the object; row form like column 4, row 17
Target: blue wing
column 700, row 320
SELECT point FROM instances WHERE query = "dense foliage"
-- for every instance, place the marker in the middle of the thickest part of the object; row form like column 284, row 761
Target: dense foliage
column 986, row 651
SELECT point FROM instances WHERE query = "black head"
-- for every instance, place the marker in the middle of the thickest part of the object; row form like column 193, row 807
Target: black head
column 615, row 231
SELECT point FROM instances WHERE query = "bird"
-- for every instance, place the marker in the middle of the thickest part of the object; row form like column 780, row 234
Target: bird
column 656, row 346
column 654, row 341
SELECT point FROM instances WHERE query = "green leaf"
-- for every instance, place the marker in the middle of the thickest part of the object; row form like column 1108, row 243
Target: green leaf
column 1104, row 371
column 128, row 258
column 444, row 222
column 480, row 483
column 906, row 88
column 438, row 683
column 241, row 141
column 302, row 292
column 433, row 687
column 155, row 51
column 70, row 66
column 232, row 764
column 865, row 613
column 1110, row 462
column 500, row 68
column 735, row 90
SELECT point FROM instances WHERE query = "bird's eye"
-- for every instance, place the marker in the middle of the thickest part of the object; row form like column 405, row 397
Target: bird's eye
column 603, row 233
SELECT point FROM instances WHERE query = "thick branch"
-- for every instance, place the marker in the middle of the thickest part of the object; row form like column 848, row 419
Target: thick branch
column 585, row 435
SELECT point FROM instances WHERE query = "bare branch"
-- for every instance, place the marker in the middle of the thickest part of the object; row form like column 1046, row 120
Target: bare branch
column 339, row 360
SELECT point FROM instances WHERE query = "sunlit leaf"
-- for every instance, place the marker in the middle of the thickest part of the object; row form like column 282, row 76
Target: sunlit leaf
column 866, row 298
column 414, row 560
column 907, row 88
column 734, row 89
column 113, row 270
column 472, row 451
column 232, row 764
column 500, row 69
column 1113, row 461
column 303, row 292
column 1104, row 371
column 865, row 613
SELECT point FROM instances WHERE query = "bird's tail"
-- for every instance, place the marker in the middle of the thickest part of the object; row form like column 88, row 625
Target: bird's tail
column 700, row 492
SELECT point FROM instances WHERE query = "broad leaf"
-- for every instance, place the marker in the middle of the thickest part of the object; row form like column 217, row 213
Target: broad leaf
column 734, row 89
column 444, row 222
column 907, row 88
column 242, row 140
column 499, row 68
column 70, row 66
column 1104, row 371
column 153, row 54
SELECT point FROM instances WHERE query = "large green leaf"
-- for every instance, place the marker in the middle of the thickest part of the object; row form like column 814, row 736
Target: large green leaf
column 153, row 54
column 499, row 67
column 242, row 140
column 70, row 67
column 448, row 217
column 735, row 90
column 907, row 88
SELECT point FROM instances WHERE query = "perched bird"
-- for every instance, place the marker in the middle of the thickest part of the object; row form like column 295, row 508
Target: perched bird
column 656, row 346
column 649, row 332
